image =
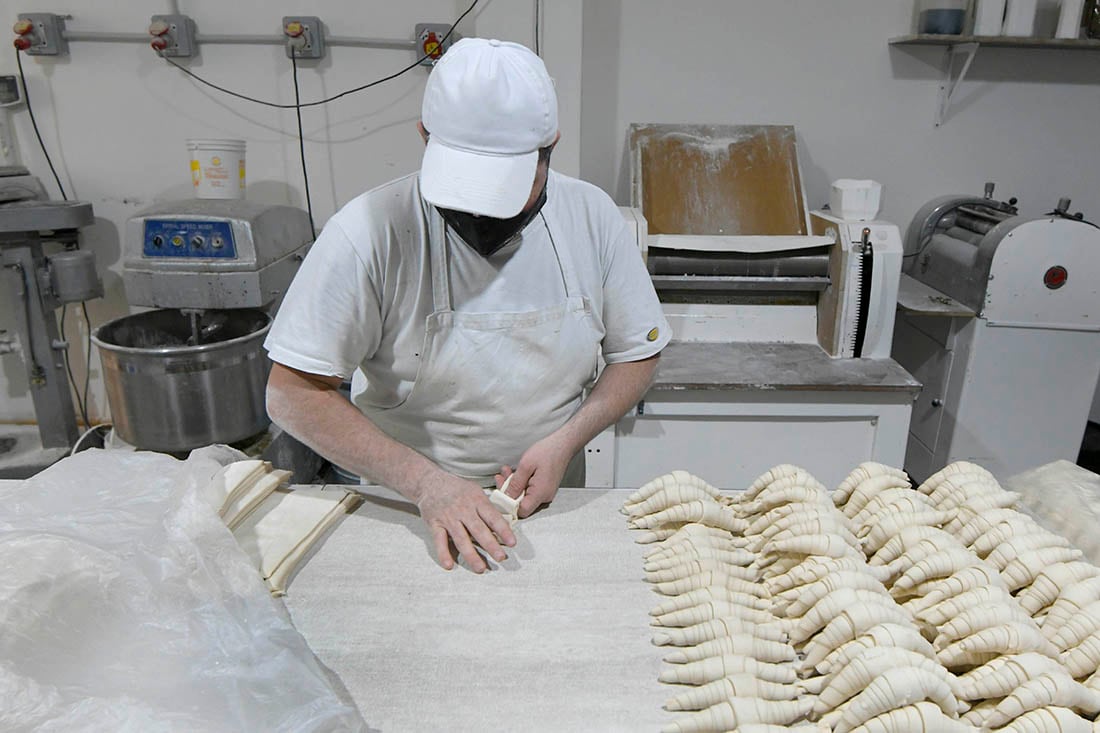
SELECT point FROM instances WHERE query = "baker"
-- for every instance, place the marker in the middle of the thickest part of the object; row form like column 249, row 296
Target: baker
column 469, row 304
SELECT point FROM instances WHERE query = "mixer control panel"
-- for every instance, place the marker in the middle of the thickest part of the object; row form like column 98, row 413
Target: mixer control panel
column 191, row 238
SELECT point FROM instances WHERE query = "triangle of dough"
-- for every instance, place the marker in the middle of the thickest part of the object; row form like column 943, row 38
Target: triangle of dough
column 286, row 524
column 245, row 502
column 280, row 576
column 229, row 479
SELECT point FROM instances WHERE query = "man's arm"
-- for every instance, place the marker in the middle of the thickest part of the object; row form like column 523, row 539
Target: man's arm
column 309, row 407
column 542, row 466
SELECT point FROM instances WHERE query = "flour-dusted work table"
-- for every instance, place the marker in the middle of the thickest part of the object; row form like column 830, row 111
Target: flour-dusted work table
column 557, row 639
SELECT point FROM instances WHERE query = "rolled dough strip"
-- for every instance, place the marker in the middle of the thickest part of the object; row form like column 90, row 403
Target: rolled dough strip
column 235, row 477
column 281, row 575
column 246, row 502
column 284, row 526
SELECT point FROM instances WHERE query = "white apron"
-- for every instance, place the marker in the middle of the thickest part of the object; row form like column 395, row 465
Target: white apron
column 489, row 385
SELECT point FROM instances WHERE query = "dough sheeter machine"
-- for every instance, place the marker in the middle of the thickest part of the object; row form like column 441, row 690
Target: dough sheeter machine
column 782, row 318
column 1000, row 319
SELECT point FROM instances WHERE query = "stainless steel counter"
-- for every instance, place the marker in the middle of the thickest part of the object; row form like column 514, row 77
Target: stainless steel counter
column 773, row 367
column 557, row 639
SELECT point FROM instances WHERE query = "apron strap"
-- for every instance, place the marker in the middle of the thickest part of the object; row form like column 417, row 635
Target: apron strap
column 437, row 247
column 565, row 261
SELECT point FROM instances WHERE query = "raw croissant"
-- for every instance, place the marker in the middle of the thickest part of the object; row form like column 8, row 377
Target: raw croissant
column 1050, row 582
column 1048, row 720
column 735, row 712
column 727, row 556
column 833, row 605
column 847, row 626
column 704, row 595
column 715, row 668
column 691, row 566
column 741, row 644
column 715, row 628
column 710, row 577
column 947, row 609
column 863, row 472
column 1004, row 674
column 710, row 514
column 977, row 618
column 766, row 479
column 952, row 469
column 802, row 598
column 1007, row 638
column 669, row 479
column 892, row 689
column 812, row 569
column 920, row 717
column 1024, row 569
column 859, row 673
column 738, row 685
column 884, row 635
column 1042, row 691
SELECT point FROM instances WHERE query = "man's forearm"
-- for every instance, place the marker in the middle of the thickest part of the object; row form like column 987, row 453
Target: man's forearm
column 619, row 387
column 316, row 414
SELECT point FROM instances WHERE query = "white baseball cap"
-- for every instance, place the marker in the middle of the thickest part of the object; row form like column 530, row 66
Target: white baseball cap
column 488, row 107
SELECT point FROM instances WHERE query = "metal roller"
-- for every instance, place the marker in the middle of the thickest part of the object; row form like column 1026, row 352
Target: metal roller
column 814, row 263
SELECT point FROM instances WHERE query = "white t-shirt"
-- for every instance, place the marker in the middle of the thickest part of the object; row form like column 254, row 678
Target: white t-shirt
column 361, row 297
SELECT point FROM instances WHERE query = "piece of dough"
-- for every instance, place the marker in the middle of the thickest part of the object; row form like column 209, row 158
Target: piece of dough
column 505, row 504
column 286, row 525
column 244, row 503
column 232, row 479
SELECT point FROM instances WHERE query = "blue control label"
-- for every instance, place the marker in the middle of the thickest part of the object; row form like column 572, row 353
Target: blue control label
column 189, row 238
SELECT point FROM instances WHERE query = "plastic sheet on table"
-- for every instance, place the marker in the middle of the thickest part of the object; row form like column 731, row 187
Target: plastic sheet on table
column 126, row 605
column 1064, row 498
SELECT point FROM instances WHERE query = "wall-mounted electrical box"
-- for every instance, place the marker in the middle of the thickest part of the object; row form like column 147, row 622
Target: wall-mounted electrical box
column 173, row 35
column 430, row 43
column 44, row 32
column 305, row 36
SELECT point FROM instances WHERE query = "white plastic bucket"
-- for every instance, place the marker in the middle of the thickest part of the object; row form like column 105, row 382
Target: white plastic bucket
column 217, row 168
column 855, row 199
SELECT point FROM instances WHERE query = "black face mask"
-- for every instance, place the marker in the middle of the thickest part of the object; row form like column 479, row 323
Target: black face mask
column 486, row 234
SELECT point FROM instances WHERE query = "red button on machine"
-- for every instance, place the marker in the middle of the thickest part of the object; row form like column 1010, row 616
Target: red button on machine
column 1055, row 277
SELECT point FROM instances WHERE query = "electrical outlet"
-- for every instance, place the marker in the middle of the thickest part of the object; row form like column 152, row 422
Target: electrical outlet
column 428, row 41
column 305, row 36
column 47, row 36
column 173, row 35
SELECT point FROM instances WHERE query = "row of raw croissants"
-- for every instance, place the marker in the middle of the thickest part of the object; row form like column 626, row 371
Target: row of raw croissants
column 873, row 608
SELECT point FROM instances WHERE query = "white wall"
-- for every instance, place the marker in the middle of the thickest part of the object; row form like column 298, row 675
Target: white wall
column 115, row 117
column 1027, row 119
column 1024, row 118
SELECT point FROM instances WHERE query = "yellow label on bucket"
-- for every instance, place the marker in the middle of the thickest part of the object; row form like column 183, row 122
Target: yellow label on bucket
column 216, row 160
column 241, row 167
column 196, row 173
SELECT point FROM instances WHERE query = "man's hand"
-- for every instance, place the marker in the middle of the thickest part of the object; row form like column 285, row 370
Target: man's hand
column 457, row 510
column 539, row 473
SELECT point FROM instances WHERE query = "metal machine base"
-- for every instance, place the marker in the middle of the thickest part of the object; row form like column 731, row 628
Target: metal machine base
column 22, row 454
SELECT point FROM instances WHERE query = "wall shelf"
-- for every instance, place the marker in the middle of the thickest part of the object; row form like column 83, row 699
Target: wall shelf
column 967, row 47
column 928, row 39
